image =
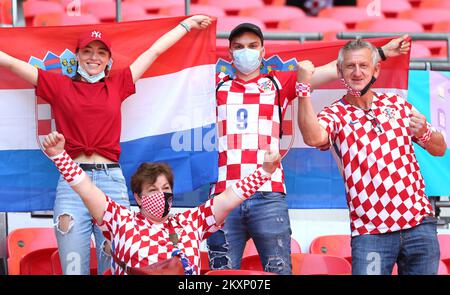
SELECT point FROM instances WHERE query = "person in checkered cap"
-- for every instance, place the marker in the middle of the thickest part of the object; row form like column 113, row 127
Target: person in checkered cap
column 139, row 239
column 250, row 107
column 371, row 135
column 87, row 109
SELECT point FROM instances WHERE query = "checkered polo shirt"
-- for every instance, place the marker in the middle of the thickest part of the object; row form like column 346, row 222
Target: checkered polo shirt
column 375, row 155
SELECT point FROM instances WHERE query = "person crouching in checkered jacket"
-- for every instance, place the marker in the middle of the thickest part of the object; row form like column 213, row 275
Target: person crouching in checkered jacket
column 152, row 235
column 372, row 134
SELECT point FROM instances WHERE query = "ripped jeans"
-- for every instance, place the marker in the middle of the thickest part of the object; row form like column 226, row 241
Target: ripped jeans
column 74, row 241
column 264, row 218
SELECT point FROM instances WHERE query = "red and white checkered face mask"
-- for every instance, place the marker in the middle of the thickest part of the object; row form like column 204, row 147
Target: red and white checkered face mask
column 158, row 204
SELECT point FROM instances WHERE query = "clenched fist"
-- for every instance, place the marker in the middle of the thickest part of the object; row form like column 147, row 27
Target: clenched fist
column 198, row 21
column 417, row 124
column 271, row 161
column 54, row 144
column 305, row 70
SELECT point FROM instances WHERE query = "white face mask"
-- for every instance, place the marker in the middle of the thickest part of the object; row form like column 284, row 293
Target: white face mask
column 246, row 60
column 93, row 78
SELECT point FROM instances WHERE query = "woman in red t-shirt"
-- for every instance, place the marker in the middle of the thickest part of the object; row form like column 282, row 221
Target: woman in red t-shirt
column 87, row 111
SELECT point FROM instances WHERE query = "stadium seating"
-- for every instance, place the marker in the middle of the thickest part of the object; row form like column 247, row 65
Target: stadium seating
column 106, row 11
column 31, row 8
column 204, row 262
column 273, row 15
column 435, row 4
column 426, row 16
column 319, row 264
column 235, row 7
column 349, row 15
column 237, row 272
column 62, row 19
column 328, row 26
column 419, row 50
column 390, row 8
column 37, row 262
column 389, row 25
column 250, row 248
column 5, row 12
column 444, row 243
column 56, row 262
column 178, row 10
column 227, row 23
column 154, row 6
column 25, row 240
column 336, row 245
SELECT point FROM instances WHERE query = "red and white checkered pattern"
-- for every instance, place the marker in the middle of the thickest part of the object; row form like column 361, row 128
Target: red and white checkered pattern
column 426, row 136
column 45, row 122
column 384, row 186
column 154, row 204
column 70, row 170
column 302, row 89
column 138, row 242
column 246, row 187
column 248, row 126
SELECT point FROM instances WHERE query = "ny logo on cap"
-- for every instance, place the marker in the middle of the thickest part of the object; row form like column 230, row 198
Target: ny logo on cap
column 96, row 34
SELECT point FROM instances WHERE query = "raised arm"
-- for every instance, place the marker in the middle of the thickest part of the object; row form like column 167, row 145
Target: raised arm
column 234, row 195
column 313, row 133
column 433, row 142
column 327, row 73
column 24, row 70
column 146, row 59
column 93, row 198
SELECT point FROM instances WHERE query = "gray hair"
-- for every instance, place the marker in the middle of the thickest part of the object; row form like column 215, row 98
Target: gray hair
column 356, row 45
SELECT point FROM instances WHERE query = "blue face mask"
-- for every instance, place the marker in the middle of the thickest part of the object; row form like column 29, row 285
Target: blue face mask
column 93, row 78
column 246, row 60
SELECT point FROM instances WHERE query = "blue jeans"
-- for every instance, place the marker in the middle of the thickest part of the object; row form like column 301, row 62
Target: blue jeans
column 74, row 242
column 264, row 218
column 415, row 250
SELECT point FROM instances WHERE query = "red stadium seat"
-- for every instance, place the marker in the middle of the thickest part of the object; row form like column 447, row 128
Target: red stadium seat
column 106, row 11
column 194, row 9
column 250, row 248
column 435, row 4
column 204, row 262
column 336, row 245
column 273, row 15
column 31, row 8
column 350, row 15
column 444, row 245
column 319, row 264
column 154, row 6
column 56, row 262
column 390, row 8
column 419, row 50
column 25, row 240
column 328, row 26
column 415, row 3
column 37, row 262
column 144, row 17
column 427, row 17
column 227, row 23
column 390, row 25
column 5, row 12
column 58, row 19
column 237, row 272
column 235, row 7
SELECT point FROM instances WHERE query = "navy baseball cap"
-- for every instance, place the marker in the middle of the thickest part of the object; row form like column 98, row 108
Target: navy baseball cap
column 246, row 27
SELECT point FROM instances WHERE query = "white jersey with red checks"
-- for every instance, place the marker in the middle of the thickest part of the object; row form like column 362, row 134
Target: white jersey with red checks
column 138, row 242
column 248, row 125
column 375, row 155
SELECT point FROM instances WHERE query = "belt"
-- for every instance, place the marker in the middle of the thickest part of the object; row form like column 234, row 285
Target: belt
column 99, row 166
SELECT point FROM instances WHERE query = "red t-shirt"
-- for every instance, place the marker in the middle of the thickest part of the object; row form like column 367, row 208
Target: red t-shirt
column 87, row 114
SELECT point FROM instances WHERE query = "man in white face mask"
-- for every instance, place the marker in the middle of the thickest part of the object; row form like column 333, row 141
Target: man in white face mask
column 249, row 111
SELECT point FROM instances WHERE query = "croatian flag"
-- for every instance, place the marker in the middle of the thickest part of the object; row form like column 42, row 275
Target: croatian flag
column 171, row 118
column 312, row 177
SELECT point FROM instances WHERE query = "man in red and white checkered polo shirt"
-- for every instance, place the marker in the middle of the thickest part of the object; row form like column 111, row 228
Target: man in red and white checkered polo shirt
column 152, row 235
column 250, row 108
column 372, row 135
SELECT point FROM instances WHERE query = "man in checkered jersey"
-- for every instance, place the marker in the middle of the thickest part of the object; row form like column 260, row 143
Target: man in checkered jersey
column 153, row 235
column 371, row 136
column 249, row 111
